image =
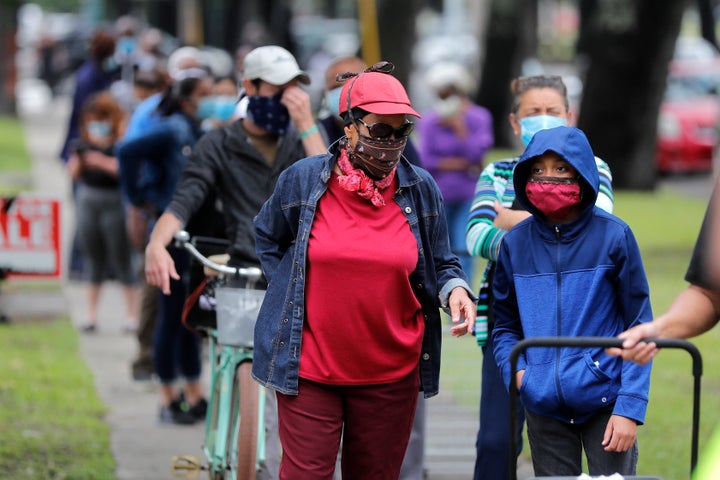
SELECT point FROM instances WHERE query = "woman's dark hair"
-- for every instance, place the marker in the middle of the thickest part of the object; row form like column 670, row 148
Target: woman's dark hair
column 357, row 112
column 177, row 91
column 522, row 84
column 102, row 45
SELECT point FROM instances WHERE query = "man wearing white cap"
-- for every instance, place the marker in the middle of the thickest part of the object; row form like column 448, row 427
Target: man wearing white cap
column 241, row 162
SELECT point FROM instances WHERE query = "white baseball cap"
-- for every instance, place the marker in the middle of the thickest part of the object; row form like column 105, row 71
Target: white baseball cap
column 274, row 65
column 450, row 74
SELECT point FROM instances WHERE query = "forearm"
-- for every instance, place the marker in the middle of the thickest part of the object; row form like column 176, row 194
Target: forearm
column 312, row 140
column 164, row 229
column 694, row 311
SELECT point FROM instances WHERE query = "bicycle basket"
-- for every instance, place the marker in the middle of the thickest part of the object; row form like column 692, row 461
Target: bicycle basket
column 237, row 310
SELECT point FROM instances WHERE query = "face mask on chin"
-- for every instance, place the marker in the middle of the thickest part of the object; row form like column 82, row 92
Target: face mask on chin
column 268, row 113
column 377, row 157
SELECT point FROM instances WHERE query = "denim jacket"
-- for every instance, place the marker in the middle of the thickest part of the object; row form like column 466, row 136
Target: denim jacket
column 282, row 229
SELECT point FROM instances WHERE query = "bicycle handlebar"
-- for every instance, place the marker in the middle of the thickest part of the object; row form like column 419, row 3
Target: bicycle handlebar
column 182, row 240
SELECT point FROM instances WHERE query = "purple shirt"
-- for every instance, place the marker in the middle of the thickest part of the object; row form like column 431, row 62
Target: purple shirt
column 438, row 142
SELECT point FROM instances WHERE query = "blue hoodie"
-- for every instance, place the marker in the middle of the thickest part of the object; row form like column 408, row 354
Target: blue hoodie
column 582, row 278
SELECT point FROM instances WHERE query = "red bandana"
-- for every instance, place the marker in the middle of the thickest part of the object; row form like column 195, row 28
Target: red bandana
column 355, row 180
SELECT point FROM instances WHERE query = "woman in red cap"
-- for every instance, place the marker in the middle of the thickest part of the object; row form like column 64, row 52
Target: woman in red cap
column 354, row 245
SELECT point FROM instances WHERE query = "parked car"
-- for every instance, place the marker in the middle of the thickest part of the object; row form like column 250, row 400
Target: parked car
column 689, row 119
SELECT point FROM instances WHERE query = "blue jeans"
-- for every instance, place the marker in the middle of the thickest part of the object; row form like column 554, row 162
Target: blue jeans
column 557, row 447
column 457, row 218
column 493, row 439
column 175, row 348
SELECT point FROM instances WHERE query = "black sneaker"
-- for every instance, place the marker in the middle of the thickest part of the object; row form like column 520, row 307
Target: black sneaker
column 199, row 410
column 174, row 413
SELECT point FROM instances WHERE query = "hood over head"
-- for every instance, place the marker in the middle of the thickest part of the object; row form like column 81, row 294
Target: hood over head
column 572, row 145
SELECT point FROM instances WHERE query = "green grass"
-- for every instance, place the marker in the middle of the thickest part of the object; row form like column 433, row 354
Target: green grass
column 12, row 145
column 666, row 226
column 51, row 420
column 15, row 159
column 51, row 423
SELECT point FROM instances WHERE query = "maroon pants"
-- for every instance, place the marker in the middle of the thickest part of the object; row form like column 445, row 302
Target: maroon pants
column 374, row 422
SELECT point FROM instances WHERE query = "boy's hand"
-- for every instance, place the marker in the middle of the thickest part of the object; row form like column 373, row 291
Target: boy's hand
column 518, row 378
column 461, row 306
column 620, row 434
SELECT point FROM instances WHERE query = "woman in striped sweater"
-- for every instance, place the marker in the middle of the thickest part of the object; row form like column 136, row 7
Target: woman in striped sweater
column 539, row 102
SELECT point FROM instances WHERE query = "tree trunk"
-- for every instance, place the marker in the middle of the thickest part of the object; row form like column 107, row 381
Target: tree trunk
column 506, row 43
column 628, row 44
column 8, row 49
column 396, row 26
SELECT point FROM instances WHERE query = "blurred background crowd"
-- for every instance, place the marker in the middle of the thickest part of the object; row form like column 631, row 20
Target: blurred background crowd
column 655, row 61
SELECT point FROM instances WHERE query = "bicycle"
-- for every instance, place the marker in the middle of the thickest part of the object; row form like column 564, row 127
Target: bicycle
column 234, row 442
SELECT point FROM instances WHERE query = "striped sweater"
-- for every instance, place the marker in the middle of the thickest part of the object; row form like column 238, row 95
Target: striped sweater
column 484, row 239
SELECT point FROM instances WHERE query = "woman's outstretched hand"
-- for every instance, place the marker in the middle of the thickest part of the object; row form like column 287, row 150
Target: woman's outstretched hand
column 462, row 311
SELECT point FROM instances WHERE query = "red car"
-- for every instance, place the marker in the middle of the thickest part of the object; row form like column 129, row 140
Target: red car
column 689, row 118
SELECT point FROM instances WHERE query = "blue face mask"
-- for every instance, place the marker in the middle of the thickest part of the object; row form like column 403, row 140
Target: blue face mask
column 126, row 45
column 529, row 126
column 206, row 108
column 268, row 113
column 332, row 101
column 99, row 129
column 225, row 107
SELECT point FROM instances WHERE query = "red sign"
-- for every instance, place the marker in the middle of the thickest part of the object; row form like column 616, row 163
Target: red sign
column 30, row 235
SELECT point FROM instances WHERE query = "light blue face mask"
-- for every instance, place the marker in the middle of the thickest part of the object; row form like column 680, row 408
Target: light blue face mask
column 206, row 108
column 99, row 129
column 529, row 126
column 225, row 107
column 332, row 101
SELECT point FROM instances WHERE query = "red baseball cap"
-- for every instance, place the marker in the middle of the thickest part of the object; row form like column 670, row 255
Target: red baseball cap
column 378, row 93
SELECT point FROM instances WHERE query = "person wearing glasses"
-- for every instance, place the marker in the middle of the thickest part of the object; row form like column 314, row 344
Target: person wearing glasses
column 355, row 248
column 241, row 163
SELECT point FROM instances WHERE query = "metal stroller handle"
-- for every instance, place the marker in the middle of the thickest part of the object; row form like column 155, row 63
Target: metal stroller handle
column 602, row 342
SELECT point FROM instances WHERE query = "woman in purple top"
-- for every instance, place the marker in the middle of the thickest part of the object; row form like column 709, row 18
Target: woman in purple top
column 454, row 137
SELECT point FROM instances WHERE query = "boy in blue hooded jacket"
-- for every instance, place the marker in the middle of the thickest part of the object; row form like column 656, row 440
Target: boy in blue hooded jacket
column 571, row 270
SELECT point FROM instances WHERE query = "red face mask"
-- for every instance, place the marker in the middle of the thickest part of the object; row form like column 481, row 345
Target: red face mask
column 554, row 197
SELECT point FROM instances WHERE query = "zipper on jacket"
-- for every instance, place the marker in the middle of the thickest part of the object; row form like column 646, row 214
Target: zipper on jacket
column 558, row 310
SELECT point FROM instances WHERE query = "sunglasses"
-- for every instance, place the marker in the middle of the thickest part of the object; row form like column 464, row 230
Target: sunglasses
column 383, row 130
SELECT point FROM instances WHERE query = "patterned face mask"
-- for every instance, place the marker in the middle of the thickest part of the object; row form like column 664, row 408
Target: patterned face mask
column 377, row 157
column 269, row 114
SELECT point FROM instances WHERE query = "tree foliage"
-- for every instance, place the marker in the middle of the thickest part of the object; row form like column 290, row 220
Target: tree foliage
column 623, row 50
column 628, row 45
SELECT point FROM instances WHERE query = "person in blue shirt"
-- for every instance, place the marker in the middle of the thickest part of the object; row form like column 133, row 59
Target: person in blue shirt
column 571, row 269
column 161, row 154
column 145, row 116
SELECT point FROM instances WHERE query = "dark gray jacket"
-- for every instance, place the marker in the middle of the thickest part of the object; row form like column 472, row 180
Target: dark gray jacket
column 224, row 160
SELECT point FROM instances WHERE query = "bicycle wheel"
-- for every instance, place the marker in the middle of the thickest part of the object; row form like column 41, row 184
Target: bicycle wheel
column 247, row 428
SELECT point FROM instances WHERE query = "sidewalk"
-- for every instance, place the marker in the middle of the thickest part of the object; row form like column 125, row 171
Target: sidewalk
column 141, row 447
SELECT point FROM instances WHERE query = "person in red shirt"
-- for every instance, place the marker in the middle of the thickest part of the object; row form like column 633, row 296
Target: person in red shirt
column 354, row 244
